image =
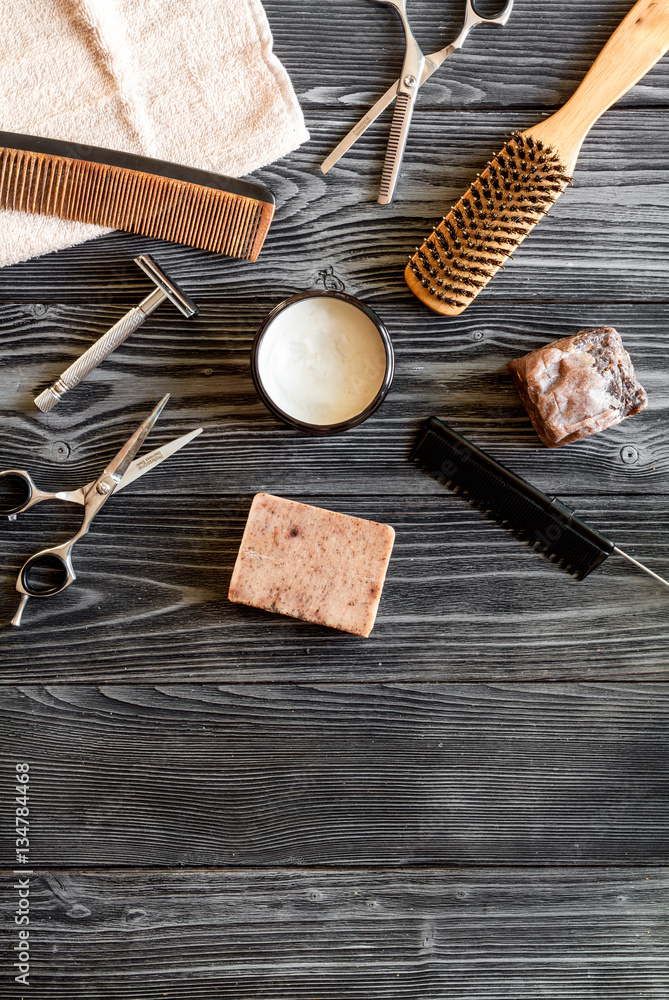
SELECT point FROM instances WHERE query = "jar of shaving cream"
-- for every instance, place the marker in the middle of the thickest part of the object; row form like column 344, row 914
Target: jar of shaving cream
column 322, row 362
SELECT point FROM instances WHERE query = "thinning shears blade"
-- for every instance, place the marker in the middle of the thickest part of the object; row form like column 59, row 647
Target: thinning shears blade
column 397, row 140
column 429, row 67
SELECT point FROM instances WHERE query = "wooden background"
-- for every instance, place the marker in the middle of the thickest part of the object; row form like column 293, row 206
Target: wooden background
column 473, row 803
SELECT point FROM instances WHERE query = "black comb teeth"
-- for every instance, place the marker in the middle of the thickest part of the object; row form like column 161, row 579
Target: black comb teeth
column 494, row 216
column 547, row 525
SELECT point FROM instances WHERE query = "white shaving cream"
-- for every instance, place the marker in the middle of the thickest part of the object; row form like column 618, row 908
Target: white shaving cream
column 322, row 360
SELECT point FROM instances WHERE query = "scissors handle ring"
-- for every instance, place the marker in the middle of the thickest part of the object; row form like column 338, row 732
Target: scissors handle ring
column 59, row 554
column 32, row 494
column 500, row 18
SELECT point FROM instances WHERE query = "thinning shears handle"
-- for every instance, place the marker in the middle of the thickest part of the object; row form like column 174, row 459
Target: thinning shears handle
column 472, row 19
column 431, row 63
column 473, row 15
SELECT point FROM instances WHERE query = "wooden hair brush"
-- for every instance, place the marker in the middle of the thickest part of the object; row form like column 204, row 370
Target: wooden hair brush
column 134, row 193
column 521, row 183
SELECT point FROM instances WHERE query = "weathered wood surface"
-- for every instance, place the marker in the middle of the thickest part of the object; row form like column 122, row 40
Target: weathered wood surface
column 538, row 59
column 604, row 240
column 461, row 375
column 493, row 935
column 161, row 722
column 464, row 600
column 251, row 775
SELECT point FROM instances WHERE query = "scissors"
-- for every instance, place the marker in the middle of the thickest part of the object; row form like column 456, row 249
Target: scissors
column 50, row 571
column 416, row 69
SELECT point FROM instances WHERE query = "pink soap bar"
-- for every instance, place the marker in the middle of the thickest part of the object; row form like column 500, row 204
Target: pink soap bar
column 312, row 564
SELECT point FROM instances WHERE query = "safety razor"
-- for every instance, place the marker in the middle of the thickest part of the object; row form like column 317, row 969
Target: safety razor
column 109, row 341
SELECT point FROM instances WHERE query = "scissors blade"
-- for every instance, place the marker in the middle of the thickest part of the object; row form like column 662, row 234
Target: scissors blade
column 120, row 462
column 377, row 109
column 360, row 127
column 154, row 458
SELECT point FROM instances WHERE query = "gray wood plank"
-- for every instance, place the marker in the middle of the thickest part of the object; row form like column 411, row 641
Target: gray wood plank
column 271, row 775
column 345, row 775
column 253, row 771
column 350, row 53
column 486, row 935
column 605, row 238
column 460, row 373
column 463, row 599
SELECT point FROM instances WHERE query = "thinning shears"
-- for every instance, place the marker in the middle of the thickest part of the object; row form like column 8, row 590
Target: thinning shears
column 416, row 69
column 50, row 571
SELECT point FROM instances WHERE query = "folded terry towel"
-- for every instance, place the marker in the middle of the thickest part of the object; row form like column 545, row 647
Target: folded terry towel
column 191, row 81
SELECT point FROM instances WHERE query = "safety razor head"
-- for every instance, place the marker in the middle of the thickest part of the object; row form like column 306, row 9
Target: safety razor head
column 166, row 285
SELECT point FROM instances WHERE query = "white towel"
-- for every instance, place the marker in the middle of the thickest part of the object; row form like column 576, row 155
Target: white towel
column 191, row 81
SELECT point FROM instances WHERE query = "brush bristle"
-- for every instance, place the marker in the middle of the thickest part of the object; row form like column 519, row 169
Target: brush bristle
column 481, row 232
column 137, row 202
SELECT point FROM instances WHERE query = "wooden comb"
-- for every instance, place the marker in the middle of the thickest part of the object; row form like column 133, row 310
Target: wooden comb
column 521, row 183
column 134, row 193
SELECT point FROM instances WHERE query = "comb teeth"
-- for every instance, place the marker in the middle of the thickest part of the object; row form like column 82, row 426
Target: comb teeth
column 492, row 218
column 546, row 525
column 137, row 202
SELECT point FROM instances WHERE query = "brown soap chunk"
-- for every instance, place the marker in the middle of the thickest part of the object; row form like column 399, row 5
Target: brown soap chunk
column 578, row 386
column 312, row 564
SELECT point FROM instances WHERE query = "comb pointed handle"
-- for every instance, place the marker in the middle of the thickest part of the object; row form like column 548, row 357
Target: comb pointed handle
column 660, row 579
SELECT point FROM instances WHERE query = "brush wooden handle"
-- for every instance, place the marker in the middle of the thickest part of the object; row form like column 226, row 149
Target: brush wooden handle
column 639, row 41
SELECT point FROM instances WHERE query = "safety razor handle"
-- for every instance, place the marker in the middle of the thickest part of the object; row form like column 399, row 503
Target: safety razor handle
column 98, row 351
column 165, row 289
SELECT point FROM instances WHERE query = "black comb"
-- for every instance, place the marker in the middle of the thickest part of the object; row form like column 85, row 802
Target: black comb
column 546, row 524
